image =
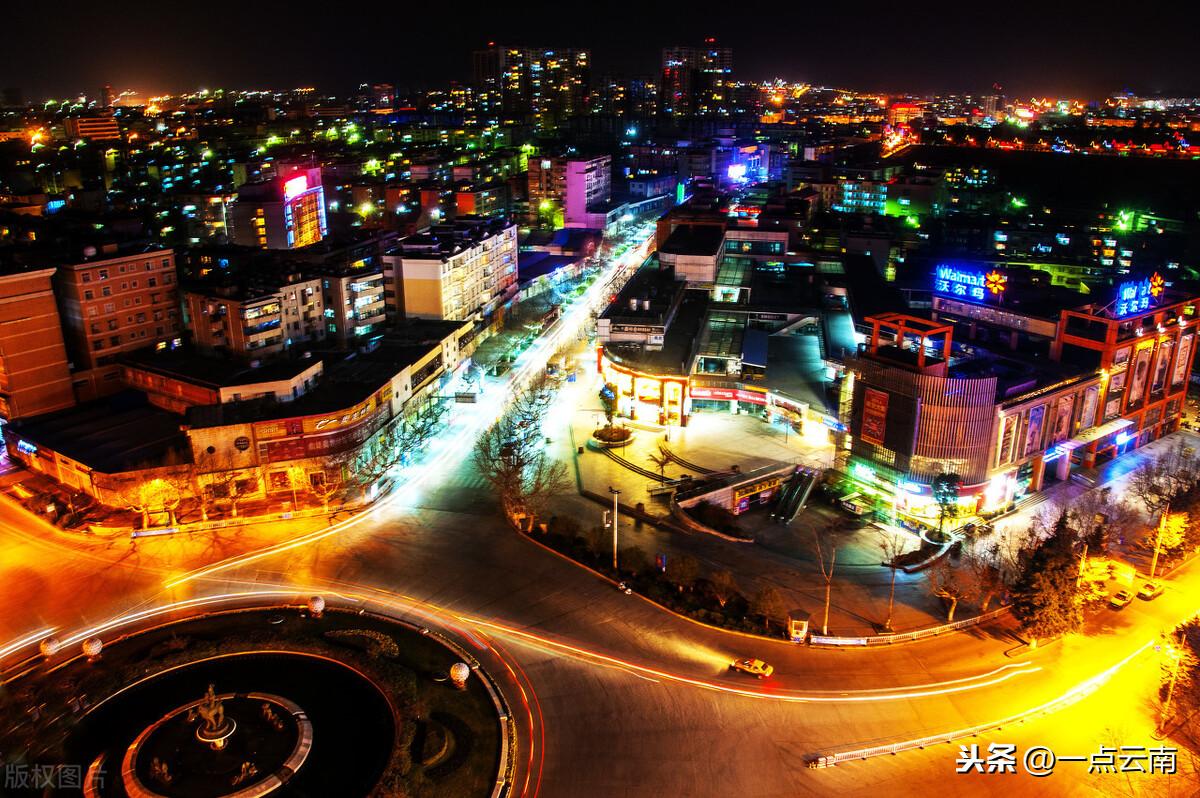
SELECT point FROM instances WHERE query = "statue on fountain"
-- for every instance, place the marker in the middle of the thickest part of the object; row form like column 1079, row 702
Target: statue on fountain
column 212, row 711
column 217, row 727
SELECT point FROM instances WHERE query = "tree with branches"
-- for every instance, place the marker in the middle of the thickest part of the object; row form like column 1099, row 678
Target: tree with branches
column 827, row 562
column 684, row 572
column 512, row 457
column 662, row 460
column 986, row 567
column 154, row 496
column 946, row 488
column 1171, row 474
column 768, row 604
column 1044, row 595
column 951, row 584
column 722, row 586
column 891, row 544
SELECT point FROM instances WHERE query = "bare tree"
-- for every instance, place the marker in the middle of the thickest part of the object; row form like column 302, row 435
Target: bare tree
column 722, row 586
column 891, row 544
column 827, row 564
column 152, row 496
column 1156, row 483
column 985, row 566
column 226, row 480
column 512, row 457
column 950, row 583
column 662, row 460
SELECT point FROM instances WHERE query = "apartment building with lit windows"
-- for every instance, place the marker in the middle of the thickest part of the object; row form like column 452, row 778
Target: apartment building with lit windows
column 459, row 271
column 252, row 318
column 114, row 299
column 284, row 213
column 354, row 306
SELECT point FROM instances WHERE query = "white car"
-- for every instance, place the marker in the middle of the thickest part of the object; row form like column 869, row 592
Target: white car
column 1150, row 591
column 1120, row 600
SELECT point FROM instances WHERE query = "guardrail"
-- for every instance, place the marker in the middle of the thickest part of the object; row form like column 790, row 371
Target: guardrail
column 905, row 637
column 1072, row 696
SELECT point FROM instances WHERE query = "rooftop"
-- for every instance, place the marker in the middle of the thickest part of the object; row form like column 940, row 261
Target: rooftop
column 689, row 239
column 119, row 433
column 214, row 372
column 653, row 289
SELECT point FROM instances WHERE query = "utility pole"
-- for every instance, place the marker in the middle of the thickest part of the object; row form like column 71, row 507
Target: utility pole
column 1082, row 564
column 615, row 494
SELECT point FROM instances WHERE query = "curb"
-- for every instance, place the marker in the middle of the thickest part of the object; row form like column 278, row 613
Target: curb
column 646, row 599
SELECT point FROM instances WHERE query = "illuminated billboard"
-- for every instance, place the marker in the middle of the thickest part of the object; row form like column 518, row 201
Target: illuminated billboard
column 1135, row 296
column 974, row 285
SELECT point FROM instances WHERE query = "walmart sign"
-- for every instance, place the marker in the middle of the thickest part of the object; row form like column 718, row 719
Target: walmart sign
column 1136, row 296
column 961, row 283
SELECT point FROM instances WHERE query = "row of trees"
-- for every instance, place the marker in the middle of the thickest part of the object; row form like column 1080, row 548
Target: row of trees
column 219, row 482
column 511, row 455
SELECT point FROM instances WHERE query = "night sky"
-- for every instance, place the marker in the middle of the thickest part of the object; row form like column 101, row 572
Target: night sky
column 66, row 47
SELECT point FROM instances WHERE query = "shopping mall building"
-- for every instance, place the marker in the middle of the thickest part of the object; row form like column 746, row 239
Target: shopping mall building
column 1011, row 384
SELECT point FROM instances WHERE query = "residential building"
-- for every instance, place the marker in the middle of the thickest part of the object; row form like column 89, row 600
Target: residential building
column 282, row 213
column 254, row 317
column 35, row 377
column 695, row 79
column 464, row 270
column 546, row 84
column 114, row 299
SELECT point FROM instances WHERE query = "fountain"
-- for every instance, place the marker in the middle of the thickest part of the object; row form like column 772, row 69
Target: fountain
column 228, row 745
column 217, row 728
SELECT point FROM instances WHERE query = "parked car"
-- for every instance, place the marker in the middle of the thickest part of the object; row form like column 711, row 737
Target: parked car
column 1150, row 591
column 1120, row 600
column 754, row 667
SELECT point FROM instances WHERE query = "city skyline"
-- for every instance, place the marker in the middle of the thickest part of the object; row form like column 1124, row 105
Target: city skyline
column 1068, row 51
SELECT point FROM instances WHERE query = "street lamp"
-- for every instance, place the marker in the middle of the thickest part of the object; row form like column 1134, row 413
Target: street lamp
column 615, row 494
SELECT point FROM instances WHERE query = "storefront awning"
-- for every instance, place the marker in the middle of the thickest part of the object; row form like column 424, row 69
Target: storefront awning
column 1094, row 434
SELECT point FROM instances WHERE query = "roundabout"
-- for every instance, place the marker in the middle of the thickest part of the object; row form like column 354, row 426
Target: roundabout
column 265, row 700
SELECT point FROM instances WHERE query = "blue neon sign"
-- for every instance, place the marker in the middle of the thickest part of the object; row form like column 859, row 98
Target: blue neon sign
column 1133, row 297
column 961, row 283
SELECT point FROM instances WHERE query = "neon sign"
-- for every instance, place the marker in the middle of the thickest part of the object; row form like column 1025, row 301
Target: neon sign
column 295, row 186
column 1134, row 296
column 969, row 284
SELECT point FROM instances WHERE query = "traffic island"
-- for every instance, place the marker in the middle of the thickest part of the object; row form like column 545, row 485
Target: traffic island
column 265, row 701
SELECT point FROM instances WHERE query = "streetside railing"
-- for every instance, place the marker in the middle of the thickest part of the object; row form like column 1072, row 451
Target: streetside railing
column 1072, row 696
column 905, row 637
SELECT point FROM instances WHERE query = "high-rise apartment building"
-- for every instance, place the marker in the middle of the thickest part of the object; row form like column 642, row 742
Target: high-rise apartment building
column 543, row 83
column 283, row 213
column 456, row 272
column 568, row 185
column 115, row 299
column 694, row 79
column 34, row 375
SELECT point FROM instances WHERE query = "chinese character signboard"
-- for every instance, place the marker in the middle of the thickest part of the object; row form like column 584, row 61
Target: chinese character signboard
column 1135, row 296
column 974, row 285
column 874, row 416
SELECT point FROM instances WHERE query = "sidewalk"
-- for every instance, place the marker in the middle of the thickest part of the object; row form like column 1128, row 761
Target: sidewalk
column 782, row 555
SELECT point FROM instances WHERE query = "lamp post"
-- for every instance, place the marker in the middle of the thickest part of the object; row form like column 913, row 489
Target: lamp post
column 615, row 494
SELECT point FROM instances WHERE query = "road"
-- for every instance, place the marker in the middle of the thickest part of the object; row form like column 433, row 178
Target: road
column 618, row 697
